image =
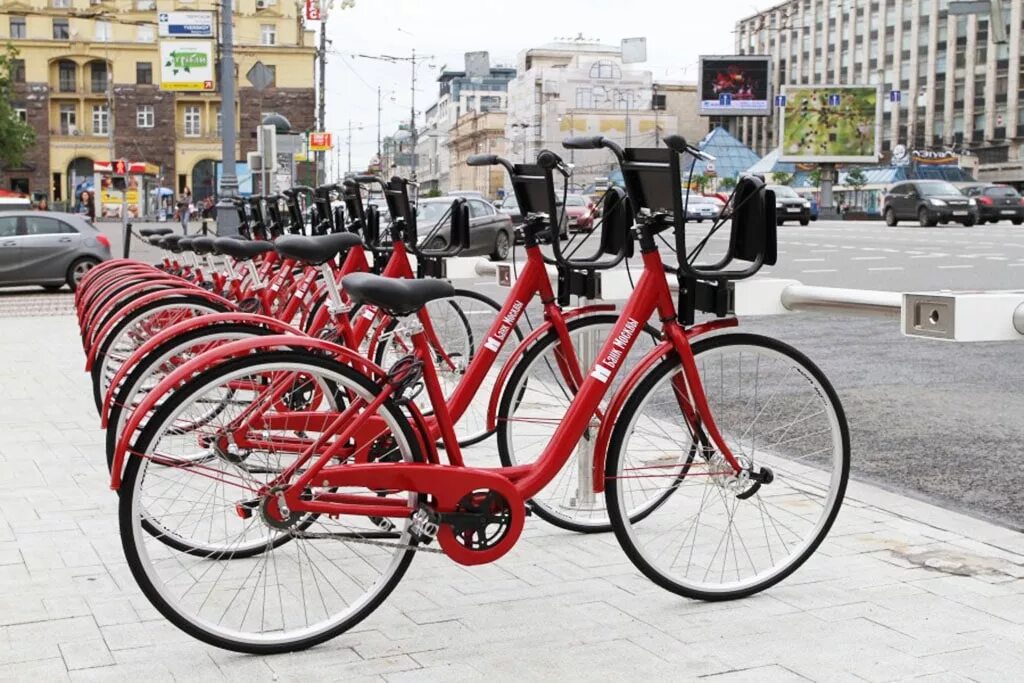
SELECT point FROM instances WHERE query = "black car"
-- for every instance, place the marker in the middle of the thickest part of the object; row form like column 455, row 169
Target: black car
column 929, row 202
column 490, row 232
column 997, row 203
column 789, row 206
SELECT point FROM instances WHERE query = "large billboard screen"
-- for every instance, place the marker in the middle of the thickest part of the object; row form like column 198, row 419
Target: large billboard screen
column 186, row 65
column 830, row 124
column 735, row 86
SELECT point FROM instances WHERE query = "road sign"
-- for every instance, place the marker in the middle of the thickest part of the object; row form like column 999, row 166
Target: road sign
column 120, row 168
column 313, row 11
column 260, row 76
column 833, row 100
column 320, row 142
column 895, row 96
column 725, row 99
column 780, row 100
column 185, row 24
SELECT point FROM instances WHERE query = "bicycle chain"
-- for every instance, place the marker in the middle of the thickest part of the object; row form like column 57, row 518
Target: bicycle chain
column 370, row 541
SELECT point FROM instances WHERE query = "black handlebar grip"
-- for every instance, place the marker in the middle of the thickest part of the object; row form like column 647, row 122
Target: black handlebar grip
column 548, row 159
column 482, row 160
column 676, row 143
column 584, row 142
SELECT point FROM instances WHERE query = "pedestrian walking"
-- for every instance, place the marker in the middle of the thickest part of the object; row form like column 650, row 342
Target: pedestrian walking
column 185, row 208
column 87, row 206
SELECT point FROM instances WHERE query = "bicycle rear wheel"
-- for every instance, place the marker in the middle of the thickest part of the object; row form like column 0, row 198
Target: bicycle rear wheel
column 714, row 535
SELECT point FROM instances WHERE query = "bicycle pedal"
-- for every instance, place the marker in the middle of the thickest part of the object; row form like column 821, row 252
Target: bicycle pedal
column 383, row 523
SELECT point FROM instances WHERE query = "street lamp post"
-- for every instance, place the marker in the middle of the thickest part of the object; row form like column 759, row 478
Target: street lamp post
column 227, row 218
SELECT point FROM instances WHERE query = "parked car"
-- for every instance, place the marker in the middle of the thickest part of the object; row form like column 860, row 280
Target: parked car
column 579, row 213
column 510, row 207
column 997, row 203
column 48, row 248
column 490, row 232
column 700, row 207
column 468, row 194
column 930, row 202
column 789, row 206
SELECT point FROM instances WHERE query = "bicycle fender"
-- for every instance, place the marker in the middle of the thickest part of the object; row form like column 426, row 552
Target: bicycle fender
column 524, row 346
column 142, row 301
column 91, row 315
column 101, row 286
column 184, row 326
column 653, row 357
column 90, row 282
column 103, row 267
column 207, row 360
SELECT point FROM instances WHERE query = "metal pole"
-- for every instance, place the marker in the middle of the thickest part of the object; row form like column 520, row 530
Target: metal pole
column 227, row 217
column 841, row 300
column 379, row 160
column 322, row 113
column 350, row 146
column 412, row 117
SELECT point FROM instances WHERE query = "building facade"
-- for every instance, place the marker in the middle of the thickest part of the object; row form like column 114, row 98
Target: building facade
column 957, row 88
column 478, row 133
column 479, row 88
column 90, row 80
column 581, row 87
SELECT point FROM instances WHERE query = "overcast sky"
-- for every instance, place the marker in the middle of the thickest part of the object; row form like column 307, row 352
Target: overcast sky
column 443, row 30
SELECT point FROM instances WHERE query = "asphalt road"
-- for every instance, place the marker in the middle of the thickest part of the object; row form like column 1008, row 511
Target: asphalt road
column 938, row 420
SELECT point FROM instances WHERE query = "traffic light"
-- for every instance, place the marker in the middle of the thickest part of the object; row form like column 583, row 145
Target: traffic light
column 120, row 175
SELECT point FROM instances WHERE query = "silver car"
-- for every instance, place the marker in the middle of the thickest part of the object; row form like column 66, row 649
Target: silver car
column 48, row 248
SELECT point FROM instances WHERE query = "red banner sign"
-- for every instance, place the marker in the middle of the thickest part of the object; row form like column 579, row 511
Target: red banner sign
column 313, row 10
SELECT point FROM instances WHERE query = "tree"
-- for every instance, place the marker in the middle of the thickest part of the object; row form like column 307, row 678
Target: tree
column 699, row 182
column 815, row 176
column 780, row 178
column 856, row 179
column 15, row 136
column 726, row 184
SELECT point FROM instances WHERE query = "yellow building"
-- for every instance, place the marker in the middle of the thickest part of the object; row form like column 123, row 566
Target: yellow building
column 104, row 79
column 477, row 133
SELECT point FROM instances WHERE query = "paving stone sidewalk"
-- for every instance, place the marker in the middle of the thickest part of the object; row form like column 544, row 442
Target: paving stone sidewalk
column 900, row 589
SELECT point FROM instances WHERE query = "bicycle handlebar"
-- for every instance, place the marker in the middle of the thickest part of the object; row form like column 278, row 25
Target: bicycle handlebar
column 679, row 144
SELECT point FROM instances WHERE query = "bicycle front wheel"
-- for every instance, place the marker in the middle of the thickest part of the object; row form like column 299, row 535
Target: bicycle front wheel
column 715, row 535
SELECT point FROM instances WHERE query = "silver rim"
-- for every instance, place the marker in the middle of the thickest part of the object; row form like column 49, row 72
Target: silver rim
column 80, row 269
column 290, row 592
column 772, row 412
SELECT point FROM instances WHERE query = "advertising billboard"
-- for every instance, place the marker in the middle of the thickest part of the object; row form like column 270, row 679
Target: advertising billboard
column 320, row 142
column 831, row 124
column 186, row 65
column 735, row 86
column 185, row 24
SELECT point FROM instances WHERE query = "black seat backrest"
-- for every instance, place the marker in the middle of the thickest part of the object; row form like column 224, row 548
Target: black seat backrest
column 323, row 216
column 352, row 198
column 617, row 220
column 652, row 180
column 753, row 221
column 533, row 186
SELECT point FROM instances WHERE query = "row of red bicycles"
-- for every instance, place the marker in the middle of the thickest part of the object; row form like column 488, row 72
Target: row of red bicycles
column 291, row 417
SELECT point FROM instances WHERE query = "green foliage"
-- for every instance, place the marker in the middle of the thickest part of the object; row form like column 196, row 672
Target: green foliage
column 780, row 178
column 15, row 137
column 815, row 176
column 699, row 182
column 856, row 178
column 727, row 183
column 433, row 192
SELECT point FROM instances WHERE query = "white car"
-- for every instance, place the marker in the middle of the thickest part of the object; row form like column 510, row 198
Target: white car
column 699, row 207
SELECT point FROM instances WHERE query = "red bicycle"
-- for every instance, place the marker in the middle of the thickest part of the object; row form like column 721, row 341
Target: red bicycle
column 727, row 456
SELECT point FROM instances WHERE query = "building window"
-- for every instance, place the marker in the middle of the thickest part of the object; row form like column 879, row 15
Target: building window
column 584, row 98
column 144, row 116
column 18, row 70
column 268, row 34
column 145, row 5
column 100, row 119
column 604, row 69
column 658, row 102
column 143, row 73
column 98, row 80
column 60, row 29
column 67, row 73
column 21, row 114
column 18, row 27
column 193, row 121
column 68, row 119
column 220, row 124
column 144, row 34
column 490, row 103
column 103, row 31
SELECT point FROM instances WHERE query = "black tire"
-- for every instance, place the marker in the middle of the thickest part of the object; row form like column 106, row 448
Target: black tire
column 437, row 243
column 104, row 349
column 890, row 218
column 53, row 288
column 970, row 223
column 142, row 369
column 131, row 473
column 923, row 220
column 502, row 245
column 779, row 221
column 624, row 427
column 78, row 269
column 515, row 389
column 1017, row 221
column 805, row 221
